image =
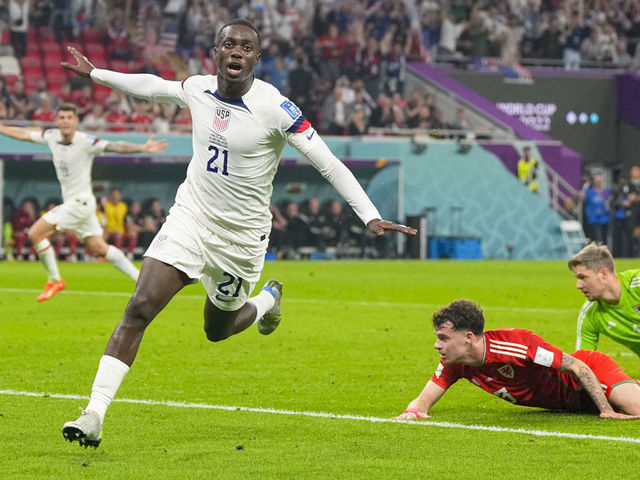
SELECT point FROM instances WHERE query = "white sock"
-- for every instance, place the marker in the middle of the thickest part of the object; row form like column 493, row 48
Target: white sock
column 47, row 256
column 121, row 262
column 111, row 372
column 263, row 301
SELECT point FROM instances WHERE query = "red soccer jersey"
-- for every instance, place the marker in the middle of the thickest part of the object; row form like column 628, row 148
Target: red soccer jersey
column 522, row 368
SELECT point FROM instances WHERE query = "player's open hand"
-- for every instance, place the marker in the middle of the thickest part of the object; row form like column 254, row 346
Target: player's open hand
column 153, row 146
column 84, row 66
column 411, row 414
column 378, row 227
column 618, row 416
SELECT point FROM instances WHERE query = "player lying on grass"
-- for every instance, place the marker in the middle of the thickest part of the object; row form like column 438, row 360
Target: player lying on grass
column 522, row 368
column 72, row 153
column 613, row 300
column 218, row 229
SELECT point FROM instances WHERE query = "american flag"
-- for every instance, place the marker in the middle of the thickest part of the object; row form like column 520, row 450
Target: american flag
column 221, row 120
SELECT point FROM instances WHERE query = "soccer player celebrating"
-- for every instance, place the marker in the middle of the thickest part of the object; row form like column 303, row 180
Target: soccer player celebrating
column 218, row 229
column 522, row 368
column 613, row 301
column 72, row 153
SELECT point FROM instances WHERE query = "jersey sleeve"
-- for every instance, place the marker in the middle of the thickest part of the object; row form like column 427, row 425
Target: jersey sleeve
column 142, row 85
column 588, row 333
column 447, row 375
column 302, row 136
column 97, row 146
column 541, row 352
column 39, row 137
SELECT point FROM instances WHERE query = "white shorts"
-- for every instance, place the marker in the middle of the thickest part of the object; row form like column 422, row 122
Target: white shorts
column 228, row 271
column 78, row 215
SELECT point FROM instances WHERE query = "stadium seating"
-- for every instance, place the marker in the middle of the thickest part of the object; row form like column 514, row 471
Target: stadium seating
column 9, row 65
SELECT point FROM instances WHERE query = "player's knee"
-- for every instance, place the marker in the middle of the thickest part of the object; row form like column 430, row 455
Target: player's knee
column 140, row 311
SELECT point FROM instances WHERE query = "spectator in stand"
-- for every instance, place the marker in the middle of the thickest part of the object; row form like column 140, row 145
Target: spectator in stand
column 597, row 209
column 358, row 122
column 149, row 67
column 156, row 216
column 622, row 58
column 317, row 222
column 369, row 68
column 5, row 93
column 42, row 91
column 139, row 229
column 95, row 120
column 621, row 221
column 528, row 170
column 65, row 95
column 297, row 229
column 21, row 221
column 509, row 37
column 436, row 122
column 590, row 48
column 449, row 33
column 394, row 65
column 182, row 119
column 474, row 39
column 634, row 199
column 301, row 83
column 141, row 116
column 45, row 114
column 332, row 47
column 18, row 100
column 18, row 25
column 160, row 120
column 83, row 99
column 116, row 120
column 550, row 44
column 575, row 33
column 397, row 107
column 337, row 227
column 119, row 46
column 608, row 42
column 278, row 235
column 115, row 211
column 461, row 122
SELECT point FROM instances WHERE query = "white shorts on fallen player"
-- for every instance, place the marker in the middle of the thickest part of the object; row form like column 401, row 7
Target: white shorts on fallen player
column 228, row 271
column 78, row 215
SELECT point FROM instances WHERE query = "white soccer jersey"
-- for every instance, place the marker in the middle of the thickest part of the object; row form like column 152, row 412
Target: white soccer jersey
column 72, row 161
column 237, row 145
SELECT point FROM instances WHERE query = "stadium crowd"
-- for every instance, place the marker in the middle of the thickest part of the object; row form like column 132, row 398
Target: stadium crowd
column 342, row 62
column 311, row 229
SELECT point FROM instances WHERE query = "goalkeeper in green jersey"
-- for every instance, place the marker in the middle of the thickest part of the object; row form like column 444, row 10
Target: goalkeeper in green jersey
column 613, row 300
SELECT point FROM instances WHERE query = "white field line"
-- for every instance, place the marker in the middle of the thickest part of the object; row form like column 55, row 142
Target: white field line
column 416, row 423
column 318, row 301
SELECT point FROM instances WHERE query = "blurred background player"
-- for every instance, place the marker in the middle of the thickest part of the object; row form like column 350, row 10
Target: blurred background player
column 72, row 154
column 522, row 368
column 240, row 127
column 613, row 300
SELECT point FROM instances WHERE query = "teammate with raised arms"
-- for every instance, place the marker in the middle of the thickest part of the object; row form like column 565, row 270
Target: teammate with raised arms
column 72, row 153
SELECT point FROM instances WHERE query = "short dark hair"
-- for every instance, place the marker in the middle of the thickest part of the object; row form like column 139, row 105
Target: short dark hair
column 463, row 315
column 238, row 21
column 67, row 107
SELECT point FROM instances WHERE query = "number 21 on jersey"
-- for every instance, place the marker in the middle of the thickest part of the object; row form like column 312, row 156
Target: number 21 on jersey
column 212, row 166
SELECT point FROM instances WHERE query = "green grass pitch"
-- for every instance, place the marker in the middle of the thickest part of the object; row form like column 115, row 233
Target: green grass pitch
column 356, row 339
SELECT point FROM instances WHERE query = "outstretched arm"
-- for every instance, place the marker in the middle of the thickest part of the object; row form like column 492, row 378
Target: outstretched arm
column 318, row 153
column 16, row 132
column 591, row 384
column 141, row 85
column 419, row 408
column 152, row 146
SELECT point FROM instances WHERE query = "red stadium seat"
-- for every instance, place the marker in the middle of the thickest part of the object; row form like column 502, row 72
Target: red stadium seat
column 49, row 47
column 89, row 35
column 93, row 48
column 46, row 34
column 120, row 66
column 56, row 77
column 28, row 62
column 32, row 72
